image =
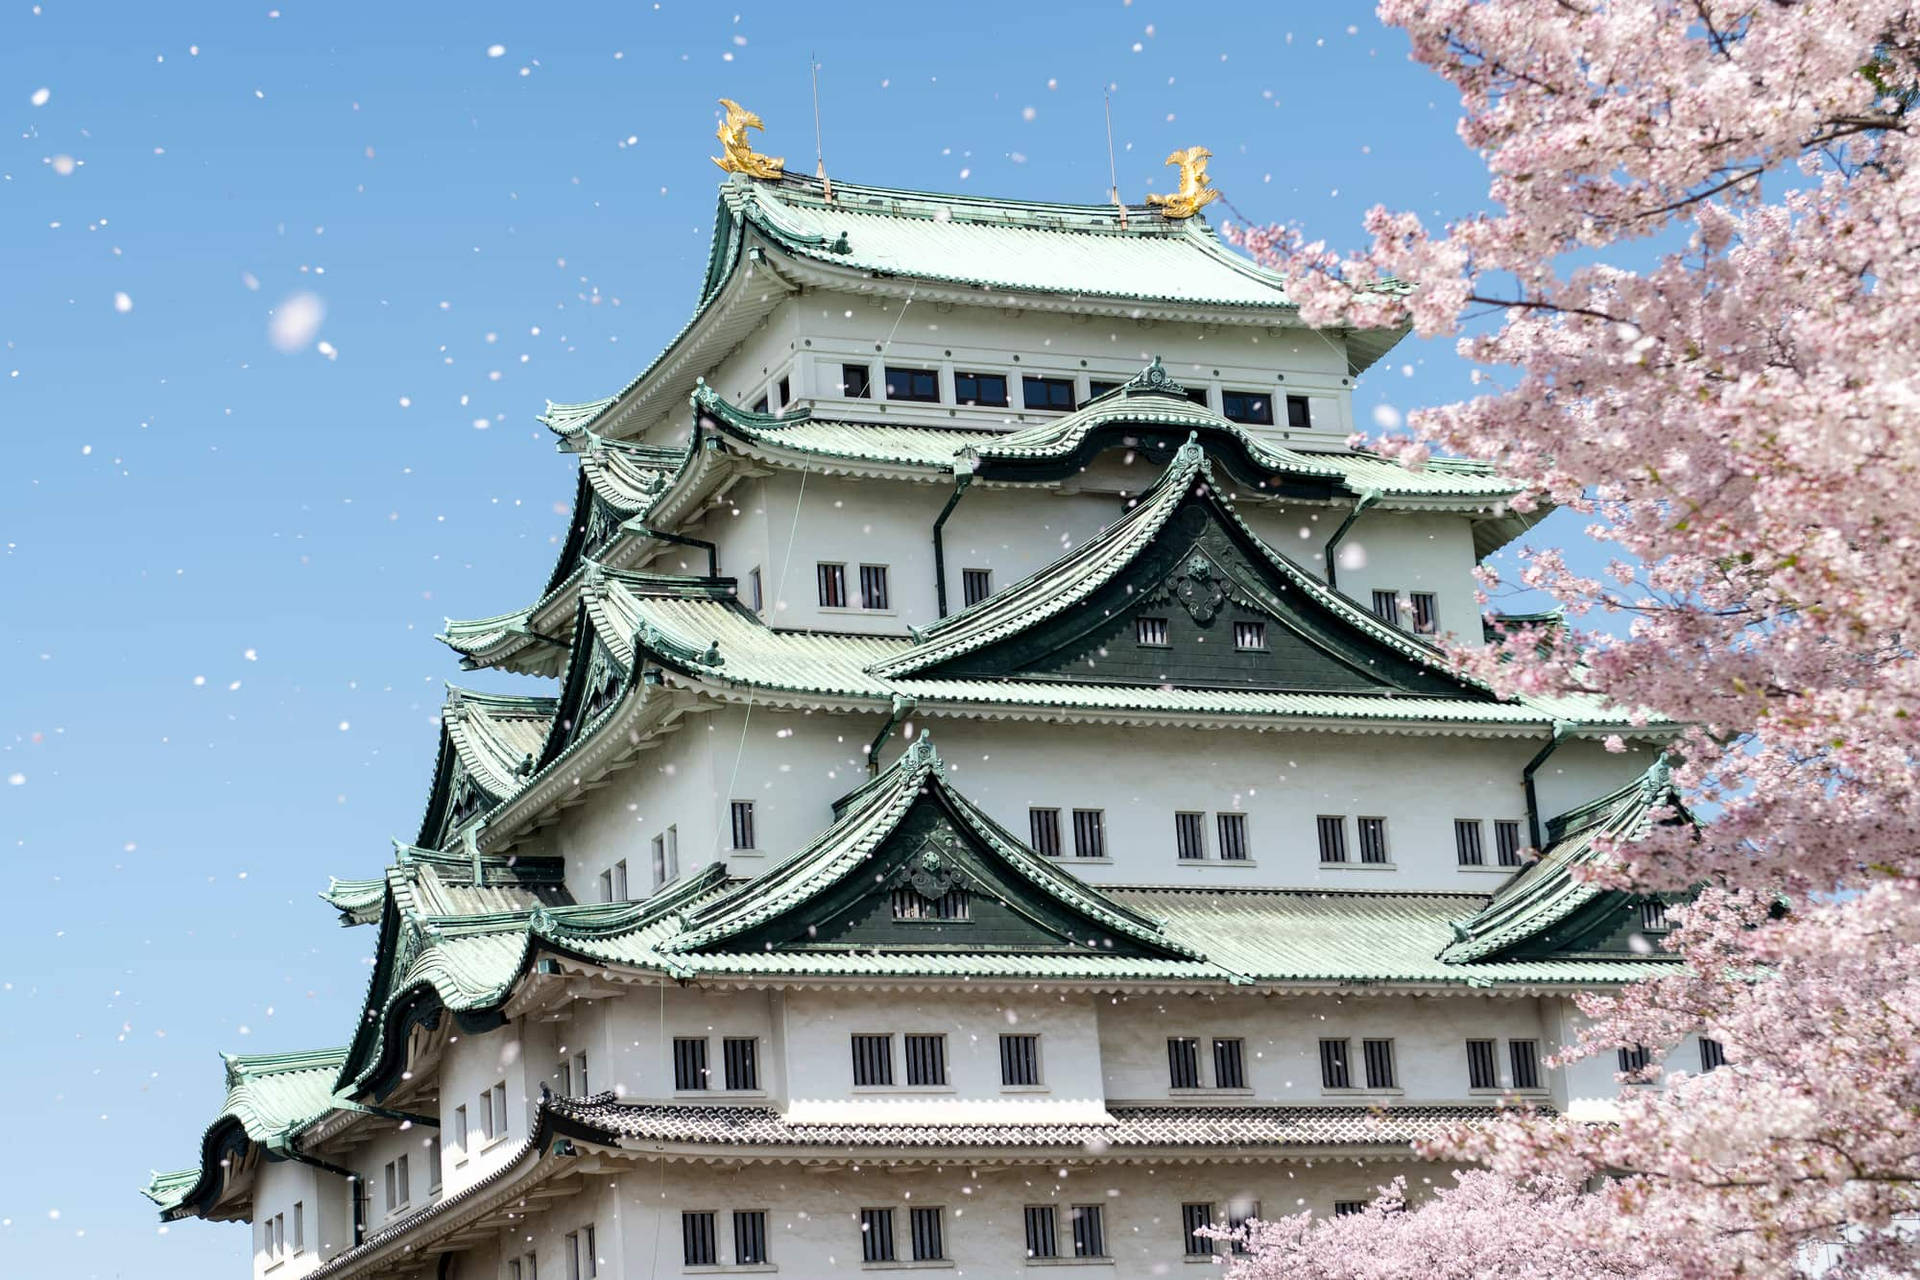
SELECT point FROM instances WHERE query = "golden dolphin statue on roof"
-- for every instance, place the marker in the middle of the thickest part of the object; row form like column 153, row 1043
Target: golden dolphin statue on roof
column 736, row 152
column 1196, row 189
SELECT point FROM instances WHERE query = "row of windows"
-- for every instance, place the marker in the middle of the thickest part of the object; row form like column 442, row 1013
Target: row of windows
column 489, row 1120
column 580, row 1250
column 1190, row 831
column 665, row 849
column 276, row 1245
column 1039, row 392
column 1082, row 1234
column 739, row 1064
column 1249, row 636
column 1635, row 1059
column 925, row 1059
column 832, row 580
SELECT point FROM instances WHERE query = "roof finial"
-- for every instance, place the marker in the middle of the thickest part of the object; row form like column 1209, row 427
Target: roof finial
column 1196, row 189
column 736, row 151
column 1153, row 379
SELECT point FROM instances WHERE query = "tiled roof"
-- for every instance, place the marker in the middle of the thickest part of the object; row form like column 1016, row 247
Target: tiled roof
column 1550, row 889
column 495, row 733
column 1150, row 1126
column 269, row 1096
column 357, row 901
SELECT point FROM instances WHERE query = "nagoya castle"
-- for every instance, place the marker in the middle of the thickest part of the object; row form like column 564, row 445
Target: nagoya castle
column 989, row 792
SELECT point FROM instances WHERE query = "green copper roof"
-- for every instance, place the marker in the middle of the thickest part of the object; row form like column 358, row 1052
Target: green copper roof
column 495, row 734
column 1551, row 889
column 269, row 1096
column 357, row 901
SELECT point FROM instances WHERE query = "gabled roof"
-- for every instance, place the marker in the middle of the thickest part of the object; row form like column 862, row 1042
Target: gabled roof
column 269, row 1097
column 489, row 743
column 1322, row 626
column 811, row 893
column 1552, row 891
column 619, row 481
column 508, row 641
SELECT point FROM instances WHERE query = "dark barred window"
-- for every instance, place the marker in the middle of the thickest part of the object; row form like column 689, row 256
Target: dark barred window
column 1482, row 1073
column 1089, row 1230
column 1524, row 1057
column 1190, row 836
column 976, row 585
column 1229, row 1064
column 1043, row 1240
column 1653, row 916
column 1334, row 1071
column 1020, row 1060
column 1233, row 836
column 873, row 586
column 872, row 1060
column 1249, row 635
column 1426, row 613
column 741, row 1060
column 750, row 1237
column 690, row 1062
column 1151, row 632
column 876, row 1235
column 833, row 585
column 698, row 1245
column 1044, row 828
column 856, row 381
column 1239, row 1214
column 929, row 1241
column 1333, row 837
column 1386, row 606
column 1183, row 1063
column 1348, row 1208
column 1506, row 842
column 1089, row 833
column 743, row 824
column 1466, row 842
column 926, row 1061
column 1713, row 1054
column 1195, row 1218
column 1373, row 840
column 1635, row 1058
column 1379, row 1059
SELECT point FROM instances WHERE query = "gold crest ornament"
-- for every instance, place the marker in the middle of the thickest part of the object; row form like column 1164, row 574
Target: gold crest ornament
column 1196, row 189
column 736, row 152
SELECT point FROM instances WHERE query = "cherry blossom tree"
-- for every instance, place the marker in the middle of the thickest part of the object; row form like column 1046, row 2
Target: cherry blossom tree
column 1693, row 304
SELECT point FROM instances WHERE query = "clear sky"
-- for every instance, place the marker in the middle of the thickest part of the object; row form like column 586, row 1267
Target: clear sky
column 222, row 564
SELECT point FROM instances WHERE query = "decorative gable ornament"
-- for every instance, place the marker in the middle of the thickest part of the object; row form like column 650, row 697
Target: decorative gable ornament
column 1197, row 589
column 736, row 150
column 927, row 873
column 1152, row 380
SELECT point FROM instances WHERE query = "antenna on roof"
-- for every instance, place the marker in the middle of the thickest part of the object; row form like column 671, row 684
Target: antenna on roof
column 819, row 147
column 1113, row 173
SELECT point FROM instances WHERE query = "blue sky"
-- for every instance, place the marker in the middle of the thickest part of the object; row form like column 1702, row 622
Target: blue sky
column 222, row 565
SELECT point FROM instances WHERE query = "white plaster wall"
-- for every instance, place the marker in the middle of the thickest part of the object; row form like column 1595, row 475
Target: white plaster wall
column 813, row 1225
column 1582, row 769
column 1282, row 780
column 543, row 1232
column 470, row 1064
column 1588, row 1088
column 385, row 1143
column 1282, row 1042
column 278, row 1186
column 819, row 1024
column 792, row 765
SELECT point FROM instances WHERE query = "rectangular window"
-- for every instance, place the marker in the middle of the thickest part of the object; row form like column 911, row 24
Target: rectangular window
column 742, row 811
column 1466, row 842
column 1089, row 1230
column 1653, row 916
column 872, row 1060
column 1044, row 827
column 762, row 405
column 1348, row 1208
column 1249, row 636
column 909, row 904
column 1199, row 396
column 1239, row 1214
column 740, row 1057
column 1183, row 1063
column 1089, row 833
column 580, row 1259
column 1047, row 393
column 619, row 876
column 530, row 1266
column 580, row 1073
column 755, row 596
column 1524, row 1057
column 1482, row 1069
column 929, row 1241
column 1194, row 1219
column 749, row 1237
column 1426, row 614
column 1151, row 632
column 976, row 585
column 832, row 579
column 300, row 1224
column 689, row 1062
column 1190, row 836
column 926, row 1060
column 1506, row 842
column 499, row 1129
column 673, row 853
column 1043, row 1240
column 513, row 1269
column 1713, row 1056
column 913, row 384
column 1299, row 414
column 1098, row 387
column 1373, row 840
column 786, row 392
column 981, row 388
column 405, row 1182
column 1233, row 836
column 856, row 381
column 1229, row 1064
column 1386, row 606
column 1254, row 408
column 873, row 586
column 606, row 885
column 563, row 1078
column 876, row 1235
column 433, row 1171
column 1020, row 1060
column 1635, row 1059
column 1379, row 1059
column 1334, row 1070
column 460, row 1130
column 1333, row 837
column 699, row 1245
column 659, row 860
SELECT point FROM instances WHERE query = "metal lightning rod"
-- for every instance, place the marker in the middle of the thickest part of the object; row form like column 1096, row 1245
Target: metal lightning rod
column 819, row 145
column 1113, row 173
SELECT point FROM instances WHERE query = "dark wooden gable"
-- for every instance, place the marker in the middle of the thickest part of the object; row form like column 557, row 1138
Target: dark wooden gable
column 891, row 901
column 1610, row 926
column 595, row 680
column 456, row 797
column 1200, row 576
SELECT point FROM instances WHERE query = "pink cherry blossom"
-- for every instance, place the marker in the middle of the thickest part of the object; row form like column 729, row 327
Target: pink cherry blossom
column 1694, row 284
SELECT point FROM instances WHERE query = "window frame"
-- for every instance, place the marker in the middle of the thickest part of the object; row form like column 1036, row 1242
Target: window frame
column 709, row 1236
column 1385, row 858
column 751, row 1059
column 693, row 1053
column 1303, row 419
column 1239, row 1057
column 1035, row 1060
column 1535, row 1082
column 883, row 1060
column 938, row 1039
column 1233, row 837
column 1388, row 1060
column 1483, row 1056
column 1190, row 835
column 871, row 576
column 875, row 1247
column 1338, row 830
column 977, row 377
column 1247, row 417
column 1145, row 628
column 969, row 580
column 1250, row 635
column 1470, row 844
column 1507, row 843
column 916, row 1215
column 740, row 820
column 1091, row 1243
column 1048, row 384
column 830, row 580
column 911, row 377
column 1336, row 1067
column 764, row 1254
column 1044, row 820
column 1197, row 1245
column 864, row 381
column 1097, row 827
column 1386, row 606
column 1046, row 1216
column 1425, row 607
